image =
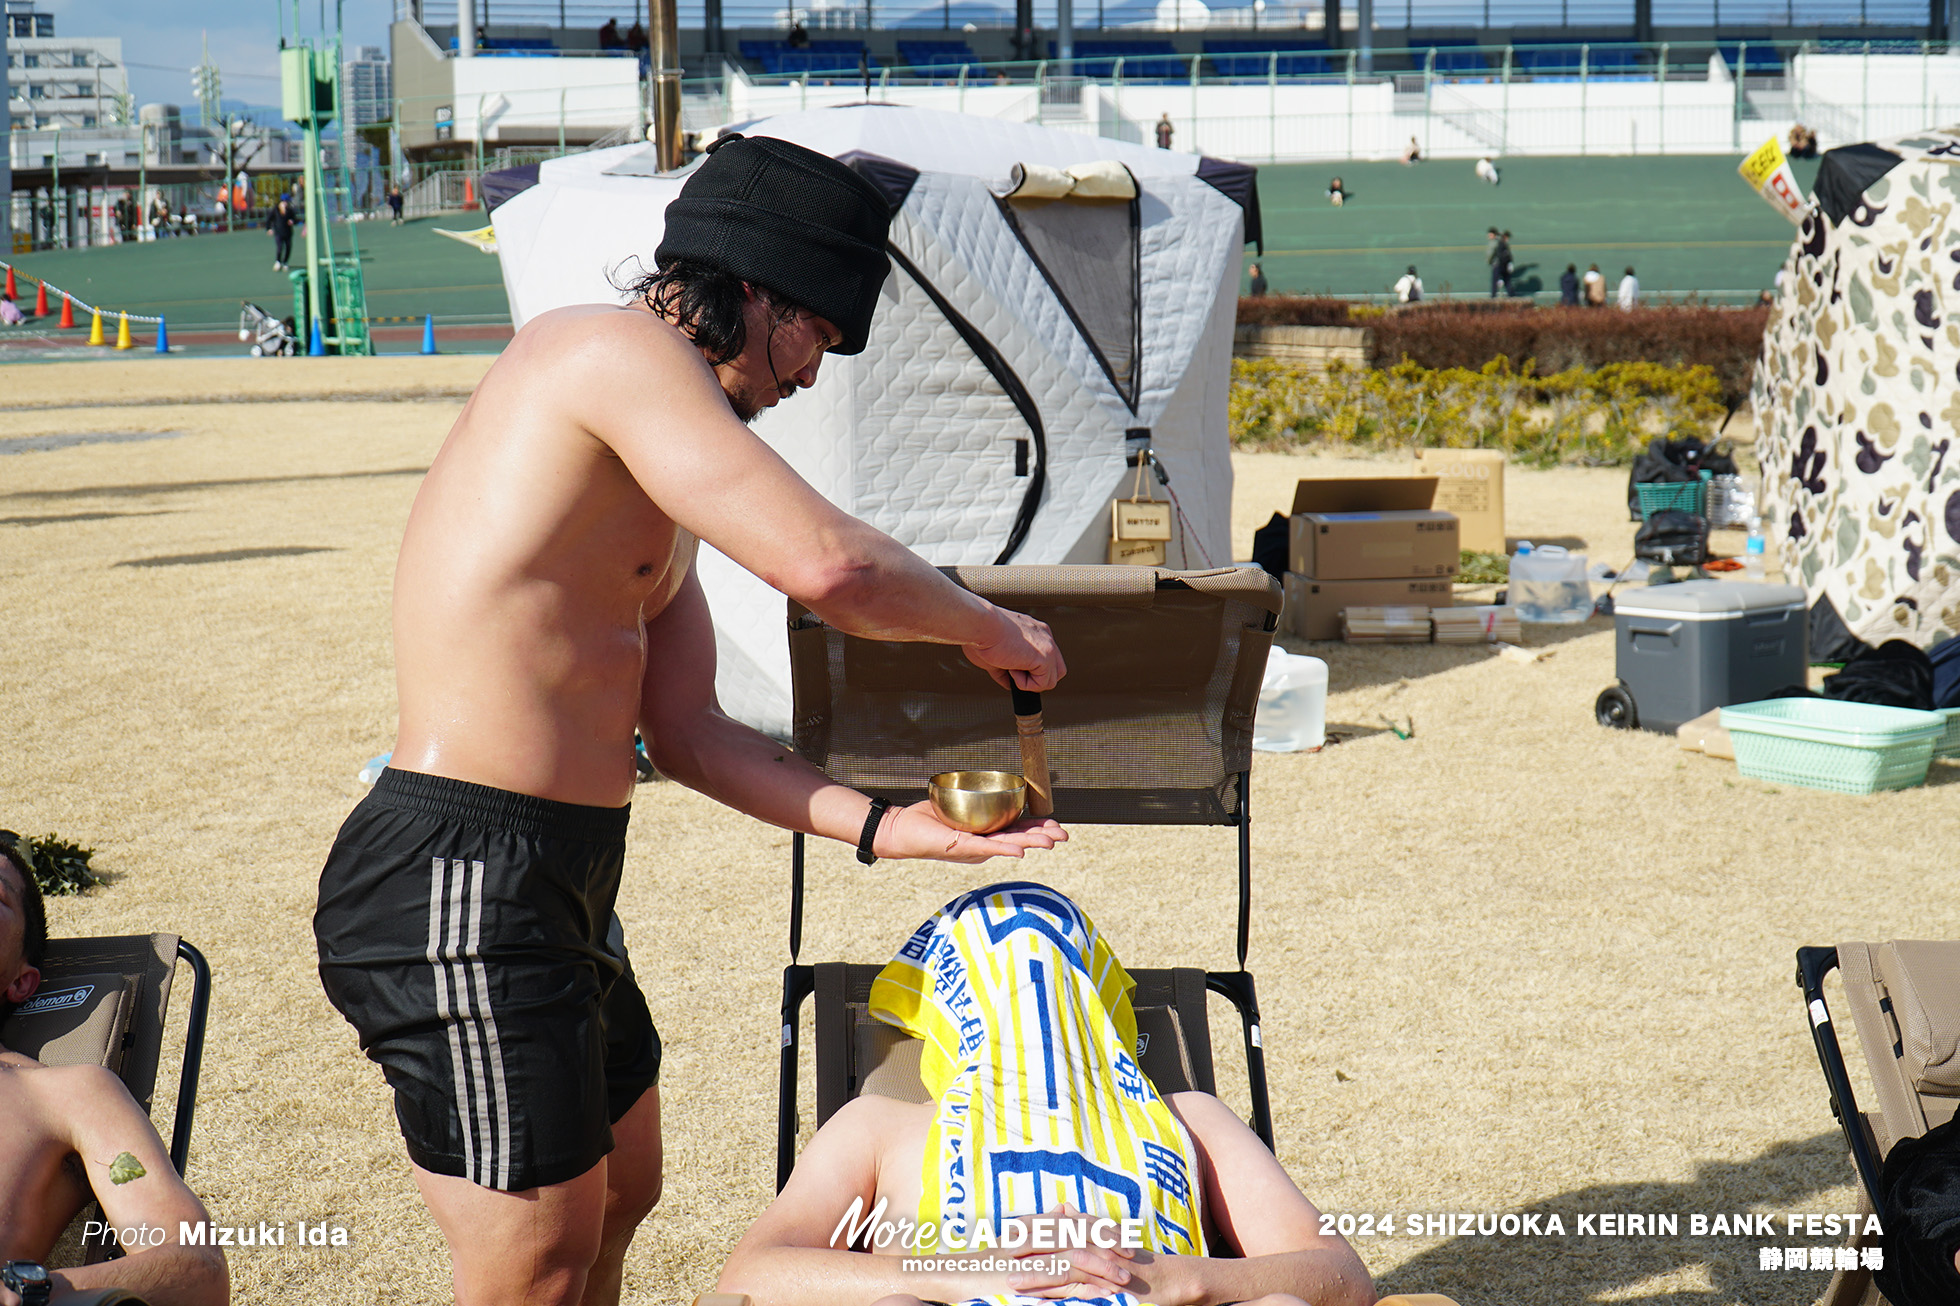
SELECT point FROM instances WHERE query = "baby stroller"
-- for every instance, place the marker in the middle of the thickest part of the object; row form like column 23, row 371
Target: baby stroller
column 268, row 334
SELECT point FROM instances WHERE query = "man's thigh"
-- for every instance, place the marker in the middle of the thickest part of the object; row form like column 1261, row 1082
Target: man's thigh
column 533, row 1246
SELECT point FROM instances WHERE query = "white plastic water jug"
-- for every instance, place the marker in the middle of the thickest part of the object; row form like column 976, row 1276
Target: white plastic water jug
column 1549, row 586
column 1292, row 704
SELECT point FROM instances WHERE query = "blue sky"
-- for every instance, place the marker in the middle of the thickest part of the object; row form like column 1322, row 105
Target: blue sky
column 162, row 39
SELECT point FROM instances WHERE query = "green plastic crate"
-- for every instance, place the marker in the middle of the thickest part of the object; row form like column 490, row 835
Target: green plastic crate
column 1948, row 744
column 1679, row 496
column 1822, row 743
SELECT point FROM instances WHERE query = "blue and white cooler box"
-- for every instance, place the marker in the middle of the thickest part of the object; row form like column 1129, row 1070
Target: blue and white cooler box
column 1685, row 649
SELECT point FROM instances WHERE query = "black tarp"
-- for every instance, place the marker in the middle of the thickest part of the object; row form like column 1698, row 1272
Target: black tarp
column 1844, row 174
column 1238, row 182
column 501, row 185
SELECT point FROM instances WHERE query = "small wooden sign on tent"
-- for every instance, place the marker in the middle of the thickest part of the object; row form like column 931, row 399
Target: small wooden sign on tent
column 1139, row 528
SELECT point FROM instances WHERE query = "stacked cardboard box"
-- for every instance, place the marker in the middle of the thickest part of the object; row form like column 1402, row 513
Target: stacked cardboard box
column 1365, row 542
column 1469, row 483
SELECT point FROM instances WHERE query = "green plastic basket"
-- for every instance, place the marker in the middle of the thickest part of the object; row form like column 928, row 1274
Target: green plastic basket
column 1948, row 744
column 1678, row 496
column 1822, row 743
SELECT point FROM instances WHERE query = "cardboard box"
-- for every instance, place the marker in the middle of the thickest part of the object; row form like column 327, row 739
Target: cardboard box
column 1373, row 528
column 1313, row 607
column 1469, row 483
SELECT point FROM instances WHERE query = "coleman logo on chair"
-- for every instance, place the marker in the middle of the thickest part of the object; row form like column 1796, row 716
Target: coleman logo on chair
column 56, row 999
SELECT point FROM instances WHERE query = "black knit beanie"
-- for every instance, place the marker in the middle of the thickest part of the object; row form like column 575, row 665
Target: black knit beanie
column 795, row 222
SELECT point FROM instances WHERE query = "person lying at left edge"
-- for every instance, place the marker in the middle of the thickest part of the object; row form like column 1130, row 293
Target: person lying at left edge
column 72, row 1133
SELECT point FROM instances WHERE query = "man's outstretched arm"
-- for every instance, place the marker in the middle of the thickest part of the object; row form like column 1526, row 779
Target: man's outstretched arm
column 693, row 741
column 1258, row 1209
column 104, row 1123
column 649, row 396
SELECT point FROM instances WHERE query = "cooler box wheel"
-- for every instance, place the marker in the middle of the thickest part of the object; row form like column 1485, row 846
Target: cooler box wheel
column 1614, row 707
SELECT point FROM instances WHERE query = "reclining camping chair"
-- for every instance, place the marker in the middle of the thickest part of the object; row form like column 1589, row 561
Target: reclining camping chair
column 102, row 1002
column 1151, row 726
column 1905, row 1005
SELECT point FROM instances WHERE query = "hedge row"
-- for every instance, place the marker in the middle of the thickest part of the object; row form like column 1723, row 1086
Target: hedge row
column 1471, row 333
column 1593, row 416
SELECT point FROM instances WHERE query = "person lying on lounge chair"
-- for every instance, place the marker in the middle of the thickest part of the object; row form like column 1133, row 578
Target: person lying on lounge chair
column 68, row 1133
column 1042, row 1127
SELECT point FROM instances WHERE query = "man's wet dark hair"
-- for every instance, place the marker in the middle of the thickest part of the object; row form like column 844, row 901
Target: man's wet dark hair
column 707, row 305
column 34, row 912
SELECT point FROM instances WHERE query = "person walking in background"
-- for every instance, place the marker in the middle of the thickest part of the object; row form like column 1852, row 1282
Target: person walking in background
column 1486, row 170
column 609, row 35
column 160, row 219
column 280, row 223
column 1629, row 290
column 1258, row 283
column 1593, row 284
column 1500, row 264
column 1164, row 131
column 1568, row 286
column 1409, row 289
column 395, row 203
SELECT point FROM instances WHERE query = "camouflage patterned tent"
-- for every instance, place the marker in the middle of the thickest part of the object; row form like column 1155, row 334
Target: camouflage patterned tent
column 1857, row 393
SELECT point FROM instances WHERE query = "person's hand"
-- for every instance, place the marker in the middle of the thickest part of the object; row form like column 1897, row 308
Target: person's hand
column 1021, row 655
column 917, row 831
column 1065, row 1273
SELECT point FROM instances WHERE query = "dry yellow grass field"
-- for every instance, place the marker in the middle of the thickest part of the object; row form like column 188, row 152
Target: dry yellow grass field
column 1516, row 963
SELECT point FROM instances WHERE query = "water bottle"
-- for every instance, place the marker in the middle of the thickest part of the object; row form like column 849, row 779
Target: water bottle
column 1292, row 713
column 1753, row 550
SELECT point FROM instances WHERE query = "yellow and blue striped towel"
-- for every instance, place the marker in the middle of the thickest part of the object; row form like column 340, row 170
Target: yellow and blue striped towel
column 1031, row 1057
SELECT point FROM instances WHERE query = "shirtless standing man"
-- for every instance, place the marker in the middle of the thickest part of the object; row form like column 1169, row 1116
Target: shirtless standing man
column 63, row 1127
column 545, row 606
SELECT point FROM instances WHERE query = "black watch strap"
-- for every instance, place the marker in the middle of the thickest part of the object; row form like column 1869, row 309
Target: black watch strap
column 879, row 806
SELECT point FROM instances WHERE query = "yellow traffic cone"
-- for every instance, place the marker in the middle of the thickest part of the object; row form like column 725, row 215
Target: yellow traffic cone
column 95, row 327
column 122, row 334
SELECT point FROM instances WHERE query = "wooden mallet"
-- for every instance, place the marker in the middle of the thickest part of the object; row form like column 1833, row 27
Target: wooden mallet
column 1034, row 752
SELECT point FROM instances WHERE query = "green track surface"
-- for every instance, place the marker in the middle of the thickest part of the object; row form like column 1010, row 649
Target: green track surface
column 199, row 280
column 1687, row 224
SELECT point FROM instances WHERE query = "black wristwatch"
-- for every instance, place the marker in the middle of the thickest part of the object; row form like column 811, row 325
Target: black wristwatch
column 29, row 1279
column 879, row 806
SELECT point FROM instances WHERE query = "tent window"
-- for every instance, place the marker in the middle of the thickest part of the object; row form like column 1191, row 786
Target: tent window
column 1088, row 251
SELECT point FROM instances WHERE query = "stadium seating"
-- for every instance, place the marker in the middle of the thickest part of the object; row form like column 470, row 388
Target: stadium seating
column 1762, row 56
column 1561, row 63
column 938, row 56
column 1152, row 61
column 817, row 59
column 1251, row 57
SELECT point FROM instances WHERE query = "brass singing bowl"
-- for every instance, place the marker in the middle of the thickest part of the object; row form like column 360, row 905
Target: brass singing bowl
column 979, row 802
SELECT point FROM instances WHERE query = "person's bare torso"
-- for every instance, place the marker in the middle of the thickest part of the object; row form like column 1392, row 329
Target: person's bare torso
column 531, row 562
column 42, row 1184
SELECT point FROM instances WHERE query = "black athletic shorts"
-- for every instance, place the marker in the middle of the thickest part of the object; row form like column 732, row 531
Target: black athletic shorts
column 468, row 935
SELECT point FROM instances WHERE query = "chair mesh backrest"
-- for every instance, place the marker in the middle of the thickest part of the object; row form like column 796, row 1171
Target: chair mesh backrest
column 1905, row 1004
column 1151, row 726
column 71, row 1025
column 859, row 1054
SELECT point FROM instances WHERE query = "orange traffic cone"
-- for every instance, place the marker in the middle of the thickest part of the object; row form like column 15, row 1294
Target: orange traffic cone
column 11, row 292
column 41, row 299
column 122, row 334
column 67, row 313
column 95, row 328
column 469, row 193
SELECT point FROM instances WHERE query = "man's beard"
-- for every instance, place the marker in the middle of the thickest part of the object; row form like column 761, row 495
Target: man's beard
column 749, row 403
